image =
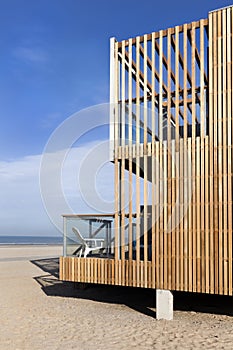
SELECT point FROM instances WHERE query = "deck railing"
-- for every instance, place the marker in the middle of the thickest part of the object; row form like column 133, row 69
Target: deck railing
column 90, row 226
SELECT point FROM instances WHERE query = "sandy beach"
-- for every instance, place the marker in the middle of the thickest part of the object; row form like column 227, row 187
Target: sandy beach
column 40, row 312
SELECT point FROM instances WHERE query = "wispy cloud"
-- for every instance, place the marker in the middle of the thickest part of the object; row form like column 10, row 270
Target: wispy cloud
column 31, row 54
column 21, row 207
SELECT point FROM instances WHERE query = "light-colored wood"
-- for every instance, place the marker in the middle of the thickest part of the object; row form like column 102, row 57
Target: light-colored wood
column 172, row 30
column 180, row 216
column 190, row 231
column 224, row 155
column 167, row 228
column 203, row 215
column 215, row 145
column 130, row 234
column 154, row 178
column 138, row 218
column 161, row 163
column 219, row 186
column 186, row 209
column 145, row 182
column 179, row 140
column 211, row 143
column 229, row 140
column 206, row 213
column 176, row 201
column 198, row 215
column 116, row 165
column 174, row 243
column 122, row 164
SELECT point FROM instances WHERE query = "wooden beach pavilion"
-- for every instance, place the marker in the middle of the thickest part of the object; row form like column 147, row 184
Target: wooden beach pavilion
column 171, row 132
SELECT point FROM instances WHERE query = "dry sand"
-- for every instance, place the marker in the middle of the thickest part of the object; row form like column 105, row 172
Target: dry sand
column 40, row 312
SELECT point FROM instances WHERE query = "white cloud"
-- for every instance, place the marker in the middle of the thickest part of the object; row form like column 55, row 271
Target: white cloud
column 21, row 208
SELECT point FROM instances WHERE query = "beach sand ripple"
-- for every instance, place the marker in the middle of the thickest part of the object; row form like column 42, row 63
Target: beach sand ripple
column 38, row 312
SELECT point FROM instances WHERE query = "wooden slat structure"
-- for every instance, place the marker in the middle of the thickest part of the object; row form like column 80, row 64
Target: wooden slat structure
column 172, row 127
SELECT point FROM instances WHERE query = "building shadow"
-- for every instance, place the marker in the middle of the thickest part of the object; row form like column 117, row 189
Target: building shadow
column 139, row 299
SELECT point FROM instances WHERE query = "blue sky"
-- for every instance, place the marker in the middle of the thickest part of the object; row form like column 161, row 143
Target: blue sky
column 55, row 62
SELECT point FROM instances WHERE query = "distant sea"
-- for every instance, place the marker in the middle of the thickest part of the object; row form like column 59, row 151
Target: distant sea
column 30, row 240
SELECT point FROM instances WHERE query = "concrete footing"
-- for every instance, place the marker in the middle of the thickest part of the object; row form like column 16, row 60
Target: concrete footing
column 164, row 304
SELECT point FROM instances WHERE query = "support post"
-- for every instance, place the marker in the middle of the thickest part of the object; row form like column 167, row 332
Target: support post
column 164, row 304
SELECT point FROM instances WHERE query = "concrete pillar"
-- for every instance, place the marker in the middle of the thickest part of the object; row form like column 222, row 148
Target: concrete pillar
column 164, row 304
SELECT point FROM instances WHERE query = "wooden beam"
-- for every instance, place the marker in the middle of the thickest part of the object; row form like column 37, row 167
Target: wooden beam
column 164, row 32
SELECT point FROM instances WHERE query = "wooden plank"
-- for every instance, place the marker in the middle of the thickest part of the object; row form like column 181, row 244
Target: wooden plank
column 198, row 213
column 130, row 233
column 197, row 56
column 224, row 156
column 145, row 182
column 194, row 235
column 229, row 140
column 169, row 164
column 116, row 165
column 164, row 32
column 211, row 151
column 181, row 214
column 161, row 216
column 176, row 200
column 186, row 199
column 154, row 177
column 206, row 214
column 137, row 160
column 122, row 164
column 156, row 217
column 203, row 201
column 219, row 142
column 174, row 242
column 215, row 156
column 165, row 217
column 161, row 159
column 190, row 227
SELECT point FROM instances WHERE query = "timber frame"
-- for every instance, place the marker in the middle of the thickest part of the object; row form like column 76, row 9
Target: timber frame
column 171, row 133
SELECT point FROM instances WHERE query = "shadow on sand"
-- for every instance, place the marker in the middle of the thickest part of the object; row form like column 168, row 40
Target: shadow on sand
column 139, row 299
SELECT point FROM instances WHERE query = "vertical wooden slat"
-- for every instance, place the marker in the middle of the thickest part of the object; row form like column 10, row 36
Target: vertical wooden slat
column 122, row 163
column 190, row 229
column 169, row 165
column 177, row 204
column 186, row 199
column 116, row 166
column 174, row 243
column 229, row 140
column 156, row 222
column 194, row 235
column 215, row 149
column 224, row 154
column 212, row 36
column 219, row 144
column 138, row 218
column 181, row 214
column 198, row 213
column 207, row 172
column 154, row 176
column 161, row 158
column 203, row 200
column 145, row 187
column 165, row 217
column 130, row 234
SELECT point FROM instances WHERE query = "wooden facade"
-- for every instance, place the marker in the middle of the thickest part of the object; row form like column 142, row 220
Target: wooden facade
column 171, row 125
